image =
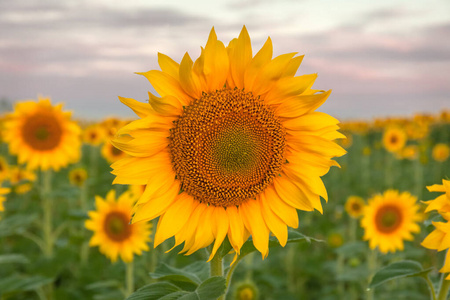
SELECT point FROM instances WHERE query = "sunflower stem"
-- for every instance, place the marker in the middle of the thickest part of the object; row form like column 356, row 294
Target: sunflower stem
column 129, row 279
column 372, row 265
column 47, row 210
column 430, row 287
column 216, row 269
column 443, row 291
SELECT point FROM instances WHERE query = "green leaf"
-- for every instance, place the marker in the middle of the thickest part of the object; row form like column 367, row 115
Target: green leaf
column 103, row 284
column 159, row 290
column 13, row 258
column 211, row 288
column 352, row 249
column 293, row 237
column 16, row 224
column 405, row 268
column 15, row 283
column 166, row 272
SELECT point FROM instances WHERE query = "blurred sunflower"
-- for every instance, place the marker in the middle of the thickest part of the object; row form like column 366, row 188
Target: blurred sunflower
column 389, row 219
column 113, row 233
column 78, row 176
column 354, row 206
column 394, row 139
column 111, row 153
column 21, row 179
column 94, row 135
column 3, row 192
column 410, row 152
column 4, row 168
column 42, row 135
column 232, row 148
column 440, row 152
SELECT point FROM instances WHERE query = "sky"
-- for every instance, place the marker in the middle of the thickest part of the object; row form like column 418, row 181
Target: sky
column 380, row 58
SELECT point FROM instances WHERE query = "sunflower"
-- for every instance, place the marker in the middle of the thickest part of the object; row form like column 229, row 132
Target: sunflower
column 4, row 168
column 231, row 149
column 390, row 218
column 440, row 152
column 410, row 152
column 394, row 139
column 78, row 176
column 42, row 135
column 94, row 135
column 3, row 192
column 442, row 203
column 354, row 206
column 21, row 179
column 112, row 231
column 111, row 153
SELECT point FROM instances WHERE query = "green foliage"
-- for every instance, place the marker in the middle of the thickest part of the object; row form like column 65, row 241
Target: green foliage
column 400, row 269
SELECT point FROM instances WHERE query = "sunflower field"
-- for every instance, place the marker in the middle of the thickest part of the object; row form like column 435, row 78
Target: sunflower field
column 231, row 184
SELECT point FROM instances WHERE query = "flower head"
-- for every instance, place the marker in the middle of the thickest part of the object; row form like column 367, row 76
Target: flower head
column 354, row 206
column 78, row 176
column 231, row 148
column 42, row 135
column 440, row 152
column 394, row 139
column 389, row 219
column 112, row 231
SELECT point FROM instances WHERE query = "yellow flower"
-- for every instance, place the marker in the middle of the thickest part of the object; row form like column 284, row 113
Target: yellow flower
column 438, row 240
column 246, row 291
column 4, row 169
column 111, row 153
column 394, row 139
column 112, row 231
column 335, row 240
column 232, row 148
column 78, row 176
column 354, row 206
column 389, row 219
column 410, row 152
column 442, row 203
column 94, row 135
column 3, row 192
column 441, row 152
column 42, row 135
column 21, row 179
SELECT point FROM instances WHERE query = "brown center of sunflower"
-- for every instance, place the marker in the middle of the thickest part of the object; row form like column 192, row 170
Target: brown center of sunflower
column 388, row 219
column 42, row 132
column 356, row 207
column 227, row 147
column 394, row 139
column 117, row 226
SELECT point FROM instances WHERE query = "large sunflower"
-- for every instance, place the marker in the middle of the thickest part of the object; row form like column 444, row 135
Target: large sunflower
column 390, row 218
column 112, row 231
column 42, row 135
column 439, row 238
column 231, row 149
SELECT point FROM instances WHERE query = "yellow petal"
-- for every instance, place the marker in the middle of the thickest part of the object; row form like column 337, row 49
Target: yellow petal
column 175, row 217
column 220, row 228
column 254, row 222
column 168, row 65
column 275, row 224
column 240, row 58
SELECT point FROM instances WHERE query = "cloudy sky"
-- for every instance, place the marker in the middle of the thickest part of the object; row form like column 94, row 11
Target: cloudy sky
column 386, row 57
